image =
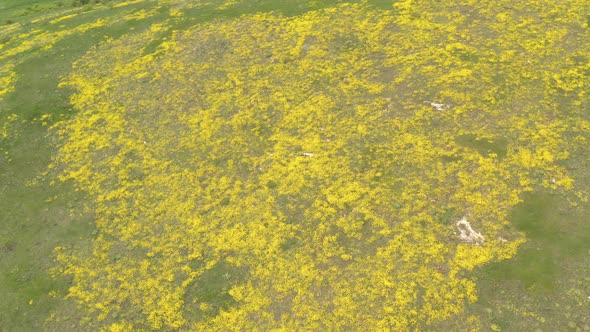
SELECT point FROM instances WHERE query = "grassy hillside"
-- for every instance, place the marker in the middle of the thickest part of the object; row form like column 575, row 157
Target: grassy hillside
column 297, row 164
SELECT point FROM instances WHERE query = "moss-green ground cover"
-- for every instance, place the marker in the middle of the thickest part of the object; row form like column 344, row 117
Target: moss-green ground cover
column 303, row 166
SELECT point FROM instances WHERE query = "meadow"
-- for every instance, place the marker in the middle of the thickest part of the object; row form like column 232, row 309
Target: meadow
column 295, row 165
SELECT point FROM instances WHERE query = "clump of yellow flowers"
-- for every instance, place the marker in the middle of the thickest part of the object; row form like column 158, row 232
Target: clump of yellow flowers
column 323, row 157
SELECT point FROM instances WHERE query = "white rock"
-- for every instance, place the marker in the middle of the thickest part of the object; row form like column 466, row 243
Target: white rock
column 468, row 234
column 438, row 106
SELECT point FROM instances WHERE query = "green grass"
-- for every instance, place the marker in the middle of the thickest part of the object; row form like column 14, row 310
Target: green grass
column 484, row 146
column 31, row 228
column 16, row 10
column 553, row 261
column 536, row 266
column 550, row 276
column 218, row 281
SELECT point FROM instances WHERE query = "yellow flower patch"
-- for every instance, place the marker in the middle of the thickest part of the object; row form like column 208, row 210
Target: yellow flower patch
column 317, row 166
